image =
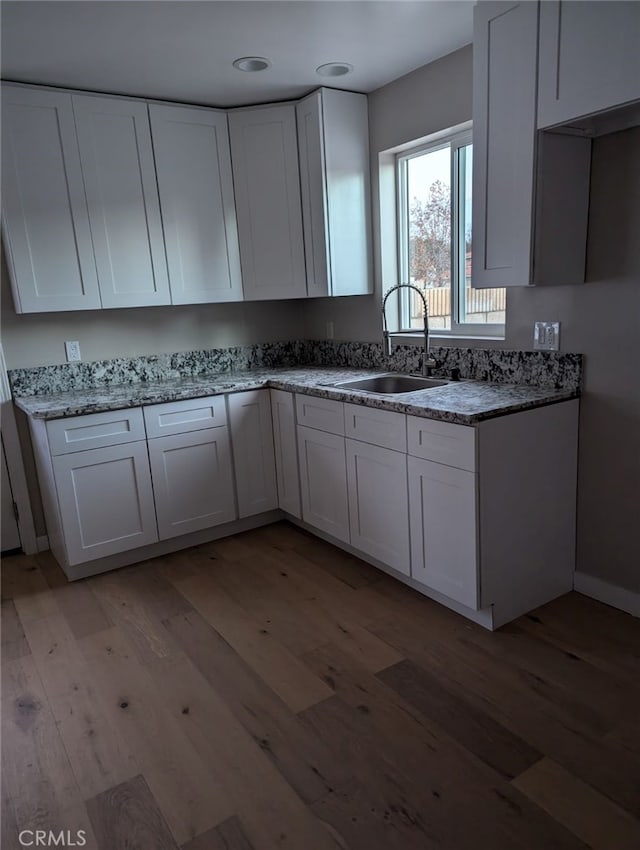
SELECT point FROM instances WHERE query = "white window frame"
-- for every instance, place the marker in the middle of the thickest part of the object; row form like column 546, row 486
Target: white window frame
column 454, row 140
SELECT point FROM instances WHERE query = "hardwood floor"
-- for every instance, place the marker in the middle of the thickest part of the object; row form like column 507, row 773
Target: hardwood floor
column 269, row 691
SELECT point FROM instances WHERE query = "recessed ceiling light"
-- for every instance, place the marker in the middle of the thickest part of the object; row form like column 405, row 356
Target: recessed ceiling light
column 252, row 63
column 334, row 69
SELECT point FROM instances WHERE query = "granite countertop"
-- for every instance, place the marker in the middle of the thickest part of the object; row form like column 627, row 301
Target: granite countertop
column 461, row 402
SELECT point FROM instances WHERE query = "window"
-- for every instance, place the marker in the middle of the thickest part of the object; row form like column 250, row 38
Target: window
column 434, row 241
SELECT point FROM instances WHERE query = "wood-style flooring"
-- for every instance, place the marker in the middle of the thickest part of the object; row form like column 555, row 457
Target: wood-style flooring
column 269, row 691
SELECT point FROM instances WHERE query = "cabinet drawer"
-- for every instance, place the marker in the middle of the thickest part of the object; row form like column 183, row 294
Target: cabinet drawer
column 95, row 430
column 180, row 417
column 379, row 427
column 442, row 442
column 321, row 413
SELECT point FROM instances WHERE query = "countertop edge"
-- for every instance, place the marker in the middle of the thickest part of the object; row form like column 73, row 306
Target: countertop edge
column 29, row 404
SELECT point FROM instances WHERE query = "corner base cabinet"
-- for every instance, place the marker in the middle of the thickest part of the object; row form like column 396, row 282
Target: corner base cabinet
column 253, row 460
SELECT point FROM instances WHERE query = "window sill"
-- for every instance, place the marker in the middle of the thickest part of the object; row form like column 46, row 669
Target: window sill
column 418, row 338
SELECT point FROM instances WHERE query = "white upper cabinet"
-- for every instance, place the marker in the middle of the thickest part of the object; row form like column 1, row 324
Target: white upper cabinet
column 530, row 192
column 589, row 58
column 44, row 211
column 122, row 195
column 333, row 139
column 193, row 164
column 264, row 152
column 504, row 103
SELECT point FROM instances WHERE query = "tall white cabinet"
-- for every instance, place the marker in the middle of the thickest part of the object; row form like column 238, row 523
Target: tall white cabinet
column 193, row 165
column 530, row 192
column 267, row 184
column 45, row 219
column 333, row 141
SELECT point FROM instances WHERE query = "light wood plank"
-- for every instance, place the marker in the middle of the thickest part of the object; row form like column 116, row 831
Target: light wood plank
column 23, row 582
column 551, row 721
column 300, row 757
column 128, row 816
column 14, row 642
column 75, row 600
column 227, row 836
column 189, row 792
column 137, row 602
column 276, row 665
column 36, row 771
column 261, row 601
column 99, row 757
column 331, row 613
column 589, row 815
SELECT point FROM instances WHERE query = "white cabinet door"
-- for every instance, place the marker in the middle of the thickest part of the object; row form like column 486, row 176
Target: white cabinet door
column 120, row 180
column 192, row 481
column 378, row 503
column 286, row 452
column 264, row 152
column 254, row 463
column 504, row 107
column 589, row 58
column 106, row 501
column 443, row 521
column 44, row 209
column 193, row 164
column 333, row 139
column 323, row 482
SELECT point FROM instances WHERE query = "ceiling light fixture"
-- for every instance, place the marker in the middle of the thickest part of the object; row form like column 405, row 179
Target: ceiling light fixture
column 252, row 63
column 334, row 69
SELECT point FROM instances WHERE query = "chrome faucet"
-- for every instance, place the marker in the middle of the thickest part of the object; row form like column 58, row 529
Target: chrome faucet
column 428, row 363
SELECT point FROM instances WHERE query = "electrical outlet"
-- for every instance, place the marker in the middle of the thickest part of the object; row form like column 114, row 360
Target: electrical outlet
column 72, row 347
column 546, row 336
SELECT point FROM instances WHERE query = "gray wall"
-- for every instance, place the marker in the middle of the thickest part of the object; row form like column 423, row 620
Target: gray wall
column 601, row 319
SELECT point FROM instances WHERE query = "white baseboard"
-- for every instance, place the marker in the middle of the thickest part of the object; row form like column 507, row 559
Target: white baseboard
column 42, row 543
column 610, row 594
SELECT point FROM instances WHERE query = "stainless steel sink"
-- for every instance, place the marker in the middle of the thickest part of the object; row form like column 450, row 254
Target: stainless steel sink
column 391, row 384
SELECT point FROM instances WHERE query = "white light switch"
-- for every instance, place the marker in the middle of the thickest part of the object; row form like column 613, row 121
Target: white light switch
column 546, row 336
column 72, row 348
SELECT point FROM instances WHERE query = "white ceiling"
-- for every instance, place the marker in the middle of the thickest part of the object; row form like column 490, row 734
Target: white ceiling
column 182, row 50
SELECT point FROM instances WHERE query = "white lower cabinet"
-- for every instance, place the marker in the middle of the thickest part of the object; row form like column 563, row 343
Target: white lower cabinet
column 323, row 481
column 378, row 507
column 443, row 522
column 105, row 500
column 192, row 481
column 283, row 418
column 253, row 460
column 481, row 518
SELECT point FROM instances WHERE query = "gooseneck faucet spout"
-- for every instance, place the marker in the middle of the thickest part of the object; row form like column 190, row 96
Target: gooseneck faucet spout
column 427, row 362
